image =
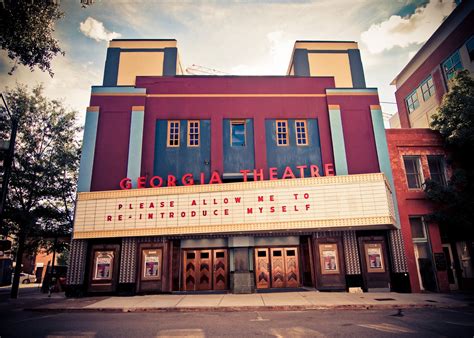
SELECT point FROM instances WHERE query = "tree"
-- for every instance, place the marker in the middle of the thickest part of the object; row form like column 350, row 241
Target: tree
column 26, row 33
column 42, row 187
column 455, row 122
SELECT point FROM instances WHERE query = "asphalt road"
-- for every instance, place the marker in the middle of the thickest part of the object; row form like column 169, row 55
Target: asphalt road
column 15, row 322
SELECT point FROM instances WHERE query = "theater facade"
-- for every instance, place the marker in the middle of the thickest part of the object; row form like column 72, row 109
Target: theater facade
column 235, row 183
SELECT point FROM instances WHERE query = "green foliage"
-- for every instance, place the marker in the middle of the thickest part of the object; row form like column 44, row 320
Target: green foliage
column 42, row 187
column 26, row 33
column 455, row 122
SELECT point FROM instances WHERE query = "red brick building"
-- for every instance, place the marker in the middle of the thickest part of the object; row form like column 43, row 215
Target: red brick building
column 416, row 155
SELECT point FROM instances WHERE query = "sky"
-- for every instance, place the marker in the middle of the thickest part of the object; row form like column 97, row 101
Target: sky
column 246, row 37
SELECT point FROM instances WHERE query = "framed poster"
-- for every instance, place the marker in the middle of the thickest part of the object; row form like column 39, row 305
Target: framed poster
column 329, row 259
column 103, row 265
column 151, row 264
column 374, row 257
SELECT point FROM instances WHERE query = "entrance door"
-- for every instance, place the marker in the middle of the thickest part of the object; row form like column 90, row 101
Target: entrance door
column 291, row 268
column 220, row 269
column 280, row 269
column 205, row 270
column 190, row 262
column 376, row 268
column 452, row 278
column 262, row 268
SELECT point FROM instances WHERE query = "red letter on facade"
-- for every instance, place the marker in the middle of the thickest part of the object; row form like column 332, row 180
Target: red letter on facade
column 329, row 169
column 126, row 184
column 141, row 182
column 187, row 179
column 273, row 174
column 244, row 174
column 301, row 169
column 156, row 185
column 314, row 170
column 215, row 178
column 288, row 173
column 171, row 181
column 258, row 175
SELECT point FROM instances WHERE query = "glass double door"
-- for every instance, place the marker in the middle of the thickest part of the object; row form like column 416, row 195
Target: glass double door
column 277, row 268
column 205, row 270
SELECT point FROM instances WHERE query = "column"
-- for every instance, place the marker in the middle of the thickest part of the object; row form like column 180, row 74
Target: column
column 337, row 137
column 135, row 144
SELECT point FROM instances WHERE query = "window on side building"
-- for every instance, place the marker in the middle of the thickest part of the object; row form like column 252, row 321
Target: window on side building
column 282, row 132
column 413, row 171
column 301, row 133
column 427, row 88
column 412, row 101
column 193, row 133
column 470, row 48
column 173, row 134
column 452, row 65
column 237, row 133
column 418, row 231
column 437, row 167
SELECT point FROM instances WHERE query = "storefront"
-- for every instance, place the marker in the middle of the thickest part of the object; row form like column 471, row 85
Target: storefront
column 234, row 184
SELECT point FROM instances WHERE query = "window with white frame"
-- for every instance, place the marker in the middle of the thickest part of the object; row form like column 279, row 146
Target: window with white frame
column 418, row 231
column 193, row 133
column 301, row 133
column 412, row 101
column 282, row 132
column 451, row 65
column 173, row 134
column 427, row 88
column 413, row 171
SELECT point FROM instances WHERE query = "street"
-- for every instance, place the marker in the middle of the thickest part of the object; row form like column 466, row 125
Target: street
column 368, row 323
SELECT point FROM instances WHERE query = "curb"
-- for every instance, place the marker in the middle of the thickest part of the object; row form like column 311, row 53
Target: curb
column 245, row 308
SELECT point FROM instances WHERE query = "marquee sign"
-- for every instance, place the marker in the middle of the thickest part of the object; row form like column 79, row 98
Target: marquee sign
column 297, row 204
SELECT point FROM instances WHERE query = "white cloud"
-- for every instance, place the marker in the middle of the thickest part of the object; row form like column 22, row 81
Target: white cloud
column 403, row 31
column 71, row 82
column 95, row 30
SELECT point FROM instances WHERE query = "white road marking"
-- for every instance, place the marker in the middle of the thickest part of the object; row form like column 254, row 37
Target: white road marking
column 460, row 324
column 183, row 333
column 385, row 327
column 295, row 332
column 259, row 319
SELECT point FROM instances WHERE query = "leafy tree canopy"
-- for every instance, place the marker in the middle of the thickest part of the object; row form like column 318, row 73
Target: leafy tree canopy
column 26, row 33
column 41, row 193
column 455, row 122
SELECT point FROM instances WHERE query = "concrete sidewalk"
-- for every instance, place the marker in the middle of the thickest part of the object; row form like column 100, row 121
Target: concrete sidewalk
column 277, row 301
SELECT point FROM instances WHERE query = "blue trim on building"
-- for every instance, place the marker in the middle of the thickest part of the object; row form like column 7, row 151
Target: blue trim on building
column 111, row 67
column 88, row 150
column 383, row 156
column 301, row 62
column 357, row 70
column 237, row 158
column 117, row 90
column 293, row 155
column 170, row 61
column 338, row 145
column 183, row 159
column 135, row 146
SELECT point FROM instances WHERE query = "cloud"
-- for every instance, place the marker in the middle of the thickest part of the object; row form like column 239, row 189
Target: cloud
column 404, row 31
column 95, row 30
column 71, row 82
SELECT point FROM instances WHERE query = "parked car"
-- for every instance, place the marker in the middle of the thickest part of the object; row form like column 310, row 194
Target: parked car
column 26, row 278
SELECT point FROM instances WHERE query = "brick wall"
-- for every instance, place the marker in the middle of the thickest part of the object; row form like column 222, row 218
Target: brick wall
column 420, row 142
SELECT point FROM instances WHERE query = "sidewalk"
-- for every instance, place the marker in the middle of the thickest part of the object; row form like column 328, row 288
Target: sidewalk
column 278, row 301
